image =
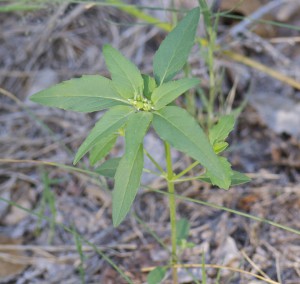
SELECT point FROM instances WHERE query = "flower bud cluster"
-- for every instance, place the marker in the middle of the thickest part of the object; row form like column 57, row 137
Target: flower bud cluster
column 141, row 103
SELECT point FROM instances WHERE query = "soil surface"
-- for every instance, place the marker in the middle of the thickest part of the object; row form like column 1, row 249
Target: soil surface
column 45, row 203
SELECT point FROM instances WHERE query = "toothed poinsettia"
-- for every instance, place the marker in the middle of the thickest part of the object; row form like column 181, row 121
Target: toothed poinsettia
column 135, row 102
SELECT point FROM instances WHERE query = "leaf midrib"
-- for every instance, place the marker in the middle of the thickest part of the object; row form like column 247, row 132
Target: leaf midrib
column 187, row 137
column 173, row 55
column 179, row 84
column 128, row 181
column 80, row 96
column 126, row 76
column 101, row 134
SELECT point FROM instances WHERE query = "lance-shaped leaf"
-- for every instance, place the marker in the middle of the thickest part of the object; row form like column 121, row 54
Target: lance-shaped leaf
column 127, row 182
column 182, row 131
column 86, row 94
column 149, row 86
column 168, row 92
column 182, row 229
column 136, row 128
column 237, row 178
column 174, row 50
column 128, row 175
column 109, row 167
column 102, row 148
column 219, row 147
column 220, row 131
column 109, row 124
column 126, row 77
column 226, row 167
column 157, row 275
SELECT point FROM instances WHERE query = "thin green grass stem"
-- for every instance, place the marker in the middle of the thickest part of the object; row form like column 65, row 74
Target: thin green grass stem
column 203, row 269
column 49, row 199
column 258, row 21
column 172, row 208
column 190, row 97
column 53, row 164
column 32, row 115
column 75, row 234
column 210, row 62
column 81, row 255
column 174, row 15
column 249, row 216
column 151, row 232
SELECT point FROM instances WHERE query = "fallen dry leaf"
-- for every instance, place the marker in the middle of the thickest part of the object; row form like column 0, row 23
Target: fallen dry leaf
column 10, row 266
column 246, row 8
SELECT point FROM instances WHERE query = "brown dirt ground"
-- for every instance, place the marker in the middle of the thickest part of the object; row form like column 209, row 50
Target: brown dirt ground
column 41, row 48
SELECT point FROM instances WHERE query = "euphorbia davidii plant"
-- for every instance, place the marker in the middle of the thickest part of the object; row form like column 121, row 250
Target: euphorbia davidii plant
column 136, row 102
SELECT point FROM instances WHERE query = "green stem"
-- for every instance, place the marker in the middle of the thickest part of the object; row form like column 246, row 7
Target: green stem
column 212, row 79
column 186, row 170
column 172, row 203
column 187, row 179
column 177, row 180
column 153, row 173
column 174, row 14
column 156, row 164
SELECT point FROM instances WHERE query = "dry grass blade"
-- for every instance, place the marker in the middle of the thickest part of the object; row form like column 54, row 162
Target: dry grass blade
column 42, row 48
column 11, row 96
column 243, row 25
column 34, row 260
column 254, row 265
column 290, row 40
column 263, row 68
column 234, row 56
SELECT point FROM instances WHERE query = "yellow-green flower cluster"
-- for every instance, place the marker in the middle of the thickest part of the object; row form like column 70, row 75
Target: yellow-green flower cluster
column 141, row 103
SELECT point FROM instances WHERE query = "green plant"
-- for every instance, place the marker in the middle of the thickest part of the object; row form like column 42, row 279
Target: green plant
column 137, row 101
column 48, row 200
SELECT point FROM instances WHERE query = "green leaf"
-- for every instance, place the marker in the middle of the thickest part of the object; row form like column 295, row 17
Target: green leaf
column 182, row 229
column 109, row 124
column 15, row 7
column 237, row 178
column 226, row 167
column 109, row 167
column 168, row 92
column 127, row 182
column 149, row 86
column 126, row 77
column 128, row 175
column 220, row 146
column 86, row 94
column 156, row 275
column 184, row 244
column 174, row 50
column 220, row 131
column 182, row 131
column 136, row 128
column 102, row 148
